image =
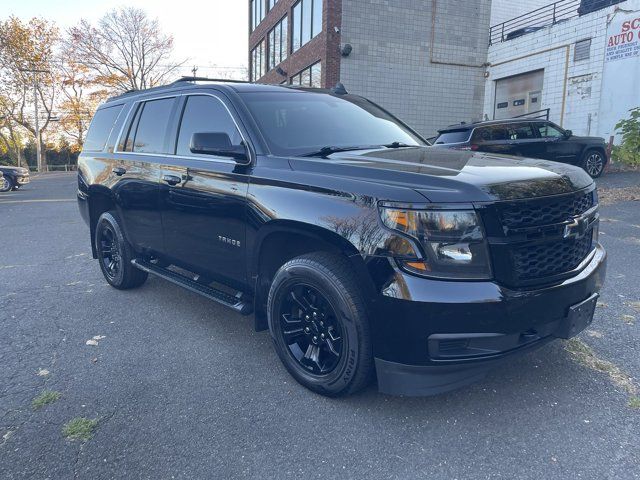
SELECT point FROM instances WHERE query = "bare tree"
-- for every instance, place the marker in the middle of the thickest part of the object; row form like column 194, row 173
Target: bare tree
column 27, row 75
column 125, row 50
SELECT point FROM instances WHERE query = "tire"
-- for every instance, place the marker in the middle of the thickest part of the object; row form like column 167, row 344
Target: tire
column 6, row 184
column 593, row 162
column 115, row 254
column 325, row 346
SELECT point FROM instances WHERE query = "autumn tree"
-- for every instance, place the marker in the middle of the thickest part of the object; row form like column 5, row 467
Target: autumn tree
column 28, row 74
column 125, row 50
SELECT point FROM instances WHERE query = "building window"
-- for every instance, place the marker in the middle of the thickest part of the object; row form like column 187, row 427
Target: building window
column 582, row 50
column 272, row 3
column 309, row 77
column 257, row 13
column 307, row 22
column 277, row 44
column 257, row 62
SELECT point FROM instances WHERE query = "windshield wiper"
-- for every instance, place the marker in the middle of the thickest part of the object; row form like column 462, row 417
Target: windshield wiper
column 326, row 151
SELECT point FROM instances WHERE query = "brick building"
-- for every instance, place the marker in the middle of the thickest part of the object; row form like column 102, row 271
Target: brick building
column 423, row 60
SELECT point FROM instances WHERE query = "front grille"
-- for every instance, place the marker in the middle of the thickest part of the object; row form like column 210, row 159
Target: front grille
column 528, row 246
column 538, row 213
column 549, row 259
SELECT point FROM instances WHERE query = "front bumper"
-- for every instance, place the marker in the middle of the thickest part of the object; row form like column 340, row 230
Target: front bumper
column 23, row 180
column 432, row 336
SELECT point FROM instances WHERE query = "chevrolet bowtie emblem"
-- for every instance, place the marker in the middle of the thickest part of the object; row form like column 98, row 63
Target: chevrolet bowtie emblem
column 577, row 227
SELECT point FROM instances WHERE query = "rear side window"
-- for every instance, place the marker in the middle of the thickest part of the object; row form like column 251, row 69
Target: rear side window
column 453, row 136
column 100, row 128
column 204, row 113
column 148, row 133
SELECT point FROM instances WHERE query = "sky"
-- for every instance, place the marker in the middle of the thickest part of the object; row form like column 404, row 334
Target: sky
column 212, row 34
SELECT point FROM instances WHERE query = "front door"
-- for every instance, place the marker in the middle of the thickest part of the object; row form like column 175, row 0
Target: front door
column 204, row 197
column 557, row 146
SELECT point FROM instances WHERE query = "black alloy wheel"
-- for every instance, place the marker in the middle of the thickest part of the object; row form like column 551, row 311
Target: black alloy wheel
column 319, row 324
column 310, row 329
column 6, row 184
column 110, row 253
column 594, row 163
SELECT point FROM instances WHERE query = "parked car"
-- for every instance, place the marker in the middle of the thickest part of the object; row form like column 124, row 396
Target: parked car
column 362, row 250
column 528, row 138
column 13, row 177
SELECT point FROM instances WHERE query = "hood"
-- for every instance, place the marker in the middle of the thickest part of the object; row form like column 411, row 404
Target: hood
column 447, row 176
column 11, row 168
column 590, row 140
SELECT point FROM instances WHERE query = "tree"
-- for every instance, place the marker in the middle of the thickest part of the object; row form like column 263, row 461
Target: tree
column 27, row 74
column 629, row 150
column 125, row 50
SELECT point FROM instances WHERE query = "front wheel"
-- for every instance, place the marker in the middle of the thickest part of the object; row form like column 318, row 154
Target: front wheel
column 319, row 324
column 115, row 254
column 6, row 184
column 593, row 163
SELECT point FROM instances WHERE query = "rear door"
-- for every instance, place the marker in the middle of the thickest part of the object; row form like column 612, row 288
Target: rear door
column 204, row 196
column 141, row 151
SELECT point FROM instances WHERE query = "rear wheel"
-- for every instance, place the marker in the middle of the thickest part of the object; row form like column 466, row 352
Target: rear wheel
column 319, row 324
column 6, row 184
column 115, row 254
column 593, row 163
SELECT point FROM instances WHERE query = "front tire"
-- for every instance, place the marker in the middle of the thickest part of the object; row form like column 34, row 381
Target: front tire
column 593, row 163
column 6, row 184
column 115, row 254
column 319, row 325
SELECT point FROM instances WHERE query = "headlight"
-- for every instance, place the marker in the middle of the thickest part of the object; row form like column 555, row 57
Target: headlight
column 452, row 240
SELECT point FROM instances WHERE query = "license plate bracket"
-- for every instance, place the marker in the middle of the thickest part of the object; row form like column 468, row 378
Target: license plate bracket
column 580, row 317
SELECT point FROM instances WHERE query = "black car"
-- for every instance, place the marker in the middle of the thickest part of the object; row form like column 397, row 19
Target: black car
column 362, row 250
column 13, row 177
column 527, row 138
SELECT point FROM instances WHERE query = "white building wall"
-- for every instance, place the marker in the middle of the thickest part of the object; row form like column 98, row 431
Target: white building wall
column 571, row 89
column 503, row 10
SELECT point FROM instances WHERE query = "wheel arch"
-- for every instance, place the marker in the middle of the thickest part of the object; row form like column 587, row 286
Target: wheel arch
column 100, row 200
column 279, row 241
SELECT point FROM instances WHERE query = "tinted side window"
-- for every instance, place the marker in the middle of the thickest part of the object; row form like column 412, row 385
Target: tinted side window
column 521, row 131
column 453, row 136
column 100, row 128
column 549, row 131
column 203, row 113
column 150, row 133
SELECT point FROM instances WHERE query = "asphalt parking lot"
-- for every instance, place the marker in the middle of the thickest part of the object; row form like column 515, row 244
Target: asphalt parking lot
column 180, row 387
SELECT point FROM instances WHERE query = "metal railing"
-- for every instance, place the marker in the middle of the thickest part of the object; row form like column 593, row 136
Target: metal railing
column 544, row 113
column 536, row 20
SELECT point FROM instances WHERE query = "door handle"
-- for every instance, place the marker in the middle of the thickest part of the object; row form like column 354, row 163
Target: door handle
column 171, row 179
column 119, row 171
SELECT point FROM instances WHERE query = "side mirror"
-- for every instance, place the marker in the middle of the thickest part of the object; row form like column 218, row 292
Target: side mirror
column 217, row 143
column 568, row 133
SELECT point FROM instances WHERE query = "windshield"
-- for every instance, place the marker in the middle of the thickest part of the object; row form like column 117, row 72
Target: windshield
column 298, row 122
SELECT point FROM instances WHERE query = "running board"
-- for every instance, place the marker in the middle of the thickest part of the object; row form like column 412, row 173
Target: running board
column 235, row 302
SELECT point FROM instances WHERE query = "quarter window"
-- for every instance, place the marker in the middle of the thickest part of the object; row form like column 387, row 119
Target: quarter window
column 203, row 113
column 307, row 22
column 278, row 43
column 100, row 128
column 149, row 127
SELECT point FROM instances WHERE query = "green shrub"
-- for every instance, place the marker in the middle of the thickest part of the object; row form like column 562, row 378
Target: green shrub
column 629, row 150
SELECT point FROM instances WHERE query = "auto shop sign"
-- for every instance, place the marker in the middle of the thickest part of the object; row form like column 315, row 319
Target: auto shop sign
column 621, row 72
column 623, row 38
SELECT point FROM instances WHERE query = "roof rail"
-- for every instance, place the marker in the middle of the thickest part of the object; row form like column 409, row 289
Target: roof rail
column 206, row 79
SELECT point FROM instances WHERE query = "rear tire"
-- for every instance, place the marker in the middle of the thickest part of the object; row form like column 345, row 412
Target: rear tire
column 115, row 254
column 318, row 322
column 593, row 162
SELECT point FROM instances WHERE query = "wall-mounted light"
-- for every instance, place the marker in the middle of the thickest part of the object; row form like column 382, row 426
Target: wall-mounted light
column 346, row 50
column 280, row 71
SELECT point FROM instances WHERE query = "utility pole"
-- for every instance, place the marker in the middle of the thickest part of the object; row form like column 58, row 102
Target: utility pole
column 194, row 70
column 37, row 119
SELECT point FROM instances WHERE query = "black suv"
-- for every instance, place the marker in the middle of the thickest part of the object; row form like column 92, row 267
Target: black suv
column 527, row 138
column 12, row 178
column 360, row 249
